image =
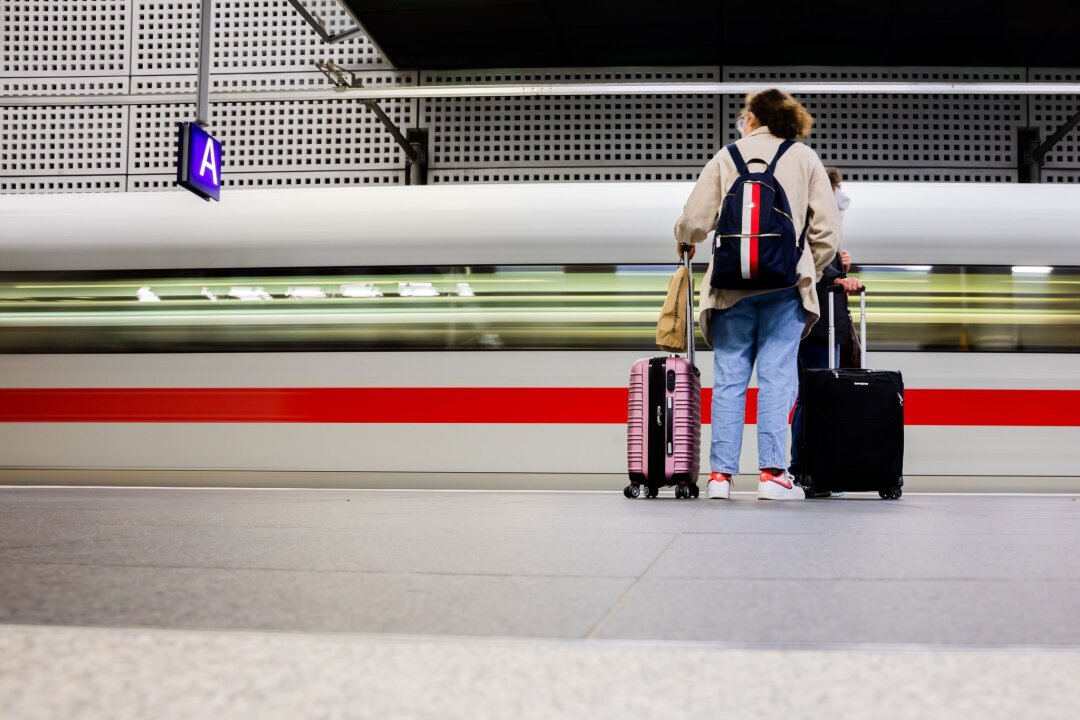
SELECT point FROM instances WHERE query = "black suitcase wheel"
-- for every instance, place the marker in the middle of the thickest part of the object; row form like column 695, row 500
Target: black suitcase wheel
column 653, row 491
column 631, row 491
column 892, row 493
column 695, row 491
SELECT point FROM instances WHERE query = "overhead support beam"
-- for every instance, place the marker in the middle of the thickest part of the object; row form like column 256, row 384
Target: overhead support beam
column 1033, row 154
column 320, row 27
column 414, row 147
column 407, row 92
column 1041, row 151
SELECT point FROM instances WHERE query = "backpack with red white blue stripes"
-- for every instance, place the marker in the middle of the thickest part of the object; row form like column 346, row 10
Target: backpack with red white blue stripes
column 756, row 245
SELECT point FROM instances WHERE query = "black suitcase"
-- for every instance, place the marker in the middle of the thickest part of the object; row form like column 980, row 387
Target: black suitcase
column 853, row 425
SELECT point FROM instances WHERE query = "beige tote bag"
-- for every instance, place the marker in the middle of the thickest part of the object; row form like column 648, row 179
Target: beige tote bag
column 671, row 328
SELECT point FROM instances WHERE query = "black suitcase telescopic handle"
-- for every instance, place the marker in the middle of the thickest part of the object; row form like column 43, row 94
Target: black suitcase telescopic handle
column 832, row 326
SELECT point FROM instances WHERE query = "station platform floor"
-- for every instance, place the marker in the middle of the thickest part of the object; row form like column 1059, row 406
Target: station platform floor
column 197, row 602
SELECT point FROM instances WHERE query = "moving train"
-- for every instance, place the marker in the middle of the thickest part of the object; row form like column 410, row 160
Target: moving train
column 486, row 331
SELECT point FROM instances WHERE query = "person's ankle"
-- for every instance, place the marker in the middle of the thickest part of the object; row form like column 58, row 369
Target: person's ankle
column 772, row 471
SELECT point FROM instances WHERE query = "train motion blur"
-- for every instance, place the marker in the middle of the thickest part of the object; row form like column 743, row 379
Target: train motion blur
column 343, row 330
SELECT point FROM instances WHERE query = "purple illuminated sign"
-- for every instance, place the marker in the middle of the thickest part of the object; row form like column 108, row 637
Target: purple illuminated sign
column 198, row 164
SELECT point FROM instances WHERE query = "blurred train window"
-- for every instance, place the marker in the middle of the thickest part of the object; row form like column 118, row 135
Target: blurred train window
column 912, row 308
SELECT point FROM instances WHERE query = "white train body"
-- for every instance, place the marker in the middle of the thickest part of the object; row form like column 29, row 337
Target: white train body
column 503, row 405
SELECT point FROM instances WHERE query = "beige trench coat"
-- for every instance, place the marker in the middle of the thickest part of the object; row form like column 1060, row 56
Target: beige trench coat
column 808, row 190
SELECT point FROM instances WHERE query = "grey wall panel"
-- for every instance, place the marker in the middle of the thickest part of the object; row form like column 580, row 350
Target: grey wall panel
column 80, row 38
column 906, row 174
column 556, row 174
column 298, row 136
column 93, row 47
column 77, row 86
column 895, row 137
column 1061, row 176
column 63, row 141
column 249, row 36
column 159, row 183
column 253, row 82
column 571, row 139
column 76, row 183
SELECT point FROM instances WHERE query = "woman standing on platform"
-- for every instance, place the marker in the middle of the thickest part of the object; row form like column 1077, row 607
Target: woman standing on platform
column 764, row 327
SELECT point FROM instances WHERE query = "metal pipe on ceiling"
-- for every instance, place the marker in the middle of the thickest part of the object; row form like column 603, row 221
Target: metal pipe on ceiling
column 408, row 92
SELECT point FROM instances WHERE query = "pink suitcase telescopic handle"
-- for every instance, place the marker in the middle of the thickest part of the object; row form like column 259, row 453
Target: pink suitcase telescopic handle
column 689, row 305
column 832, row 326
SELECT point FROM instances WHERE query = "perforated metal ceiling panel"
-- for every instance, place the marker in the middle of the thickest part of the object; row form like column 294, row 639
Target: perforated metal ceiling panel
column 280, row 137
column 92, row 47
column 905, row 137
column 83, row 38
column 62, row 141
column 551, row 139
column 249, row 36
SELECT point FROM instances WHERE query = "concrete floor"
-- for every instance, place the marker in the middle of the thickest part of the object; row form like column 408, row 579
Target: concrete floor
column 353, row 603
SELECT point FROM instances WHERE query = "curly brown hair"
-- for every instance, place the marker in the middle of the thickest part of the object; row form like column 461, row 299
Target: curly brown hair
column 784, row 115
column 835, row 176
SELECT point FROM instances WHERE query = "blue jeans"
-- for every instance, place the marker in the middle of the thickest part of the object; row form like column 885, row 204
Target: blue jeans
column 765, row 329
column 812, row 356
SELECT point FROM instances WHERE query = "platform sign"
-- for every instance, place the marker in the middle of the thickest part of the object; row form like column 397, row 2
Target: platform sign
column 198, row 162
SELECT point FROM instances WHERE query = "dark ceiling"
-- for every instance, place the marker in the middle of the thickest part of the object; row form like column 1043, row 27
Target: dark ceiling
column 458, row 34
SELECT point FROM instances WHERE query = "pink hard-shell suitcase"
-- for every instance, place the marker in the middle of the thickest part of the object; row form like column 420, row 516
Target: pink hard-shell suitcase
column 663, row 429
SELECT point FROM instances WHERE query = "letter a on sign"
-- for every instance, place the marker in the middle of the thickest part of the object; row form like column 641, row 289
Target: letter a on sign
column 209, row 163
column 198, row 165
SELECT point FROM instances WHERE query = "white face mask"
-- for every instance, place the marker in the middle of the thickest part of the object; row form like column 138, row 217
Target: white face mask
column 842, row 200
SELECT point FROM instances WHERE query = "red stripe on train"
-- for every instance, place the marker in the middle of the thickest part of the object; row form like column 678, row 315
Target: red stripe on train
column 471, row 405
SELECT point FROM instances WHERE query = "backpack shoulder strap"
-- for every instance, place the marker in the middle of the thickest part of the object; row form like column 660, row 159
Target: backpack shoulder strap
column 784, row 147
column 737, row 158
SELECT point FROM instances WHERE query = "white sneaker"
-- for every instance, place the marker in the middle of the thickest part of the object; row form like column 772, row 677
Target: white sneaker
column 778, row 487
column 720, row 486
